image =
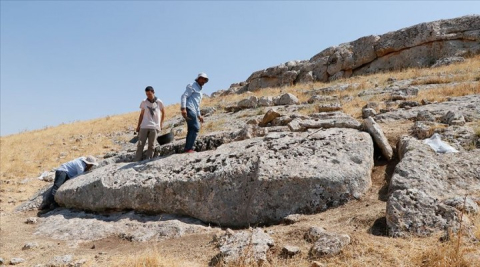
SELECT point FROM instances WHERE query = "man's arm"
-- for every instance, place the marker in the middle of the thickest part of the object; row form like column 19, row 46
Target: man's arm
column 140, row 119
column 183, row 100
column 163, row 118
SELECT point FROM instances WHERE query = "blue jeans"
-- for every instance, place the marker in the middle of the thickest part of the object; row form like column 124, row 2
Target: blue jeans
column 60, row 178
column 193, row 128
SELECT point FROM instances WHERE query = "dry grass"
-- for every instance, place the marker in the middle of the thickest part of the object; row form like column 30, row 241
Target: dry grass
column 148, row 258
column 28, row 154
column 442, row 93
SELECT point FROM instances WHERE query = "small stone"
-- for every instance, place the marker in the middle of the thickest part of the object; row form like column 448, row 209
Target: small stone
column 368, row 112
column 30, row 245
column 15, row 261
column 318, row 264
column 407, row 104
column 61, row 260
column 252, row 121
column 31, row 220
column 425, row 102
column 291, row 219
column 313, row 234
column 290, row 251
column 329, row 244
column 269, row 117
column 425, row 115
column 328, row 107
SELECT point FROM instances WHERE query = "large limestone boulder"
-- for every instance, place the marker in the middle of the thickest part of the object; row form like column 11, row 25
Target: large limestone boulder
column 423, row 184
column 260, row 180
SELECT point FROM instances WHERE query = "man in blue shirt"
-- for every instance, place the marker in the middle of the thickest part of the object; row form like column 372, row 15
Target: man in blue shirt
column 190, row 106
column 68, row 171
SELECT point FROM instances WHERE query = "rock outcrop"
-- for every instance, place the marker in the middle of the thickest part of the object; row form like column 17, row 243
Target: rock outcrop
column 69, row 225
column 423, row 185
column 421, row 45
column 260, row 180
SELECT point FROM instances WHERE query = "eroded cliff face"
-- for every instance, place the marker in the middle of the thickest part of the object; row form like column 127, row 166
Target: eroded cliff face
column 420, row 45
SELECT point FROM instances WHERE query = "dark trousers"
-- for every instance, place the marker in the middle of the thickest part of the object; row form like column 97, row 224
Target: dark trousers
column 193, row 127
column 60, row 178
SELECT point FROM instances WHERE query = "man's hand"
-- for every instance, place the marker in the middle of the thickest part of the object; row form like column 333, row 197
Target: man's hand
column 184, row 113
column 200, row 118
column 138, row 129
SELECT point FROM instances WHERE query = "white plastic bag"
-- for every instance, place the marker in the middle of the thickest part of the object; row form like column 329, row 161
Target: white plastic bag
column 436, row 143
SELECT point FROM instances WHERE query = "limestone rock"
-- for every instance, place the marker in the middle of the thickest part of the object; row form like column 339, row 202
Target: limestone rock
column 266, row 101
column 295, row 126
column 404, row 93
column 321, row 98
column 248, row 245
column 15, row 261
column 413, row 211
column 420, row 184
column 291, row 219
column 453, row 118
column 424, row 129
column 31, row 220
column 328, row 107
column 468, row 106
column 466, row 204
column 287, row 99
column 447, row 61
column 239, row 183
column 59, row 261
column 313, row 234
column 64, row 224
column 30, row 245
column 290, row 251
column 269, row 117
column 368, row 112
column 250, row 102
column 334, row 119
column 329, row 244
column 207, row 111
column 425, row 115
column 407, row 104
column 250, row 131
column 376, row 131
column 433, row 43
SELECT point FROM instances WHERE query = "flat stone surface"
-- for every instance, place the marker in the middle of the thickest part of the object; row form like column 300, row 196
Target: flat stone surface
column 238, row 184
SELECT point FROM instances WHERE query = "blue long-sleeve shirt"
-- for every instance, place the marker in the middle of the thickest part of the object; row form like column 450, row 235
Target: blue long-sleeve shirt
column 73, row 168
column 192, row 98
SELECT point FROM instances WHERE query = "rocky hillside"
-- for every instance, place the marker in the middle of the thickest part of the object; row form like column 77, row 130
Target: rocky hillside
column 422, row 45
column 380, row 169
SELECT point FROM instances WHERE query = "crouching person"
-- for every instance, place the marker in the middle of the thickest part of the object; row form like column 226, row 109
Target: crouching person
column 66, row 172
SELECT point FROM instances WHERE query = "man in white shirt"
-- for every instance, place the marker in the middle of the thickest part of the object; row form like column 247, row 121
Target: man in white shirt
column 150, row 123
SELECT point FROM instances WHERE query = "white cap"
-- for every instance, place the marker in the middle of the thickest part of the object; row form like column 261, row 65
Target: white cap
column 202, row 74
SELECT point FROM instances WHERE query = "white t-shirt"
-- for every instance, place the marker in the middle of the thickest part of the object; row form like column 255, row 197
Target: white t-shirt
column 152, row 114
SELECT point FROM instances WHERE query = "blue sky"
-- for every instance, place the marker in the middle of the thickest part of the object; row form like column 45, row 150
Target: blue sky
column 64, row 61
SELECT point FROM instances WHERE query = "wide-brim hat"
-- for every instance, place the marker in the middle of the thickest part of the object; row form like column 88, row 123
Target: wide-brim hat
column 203, row 75
column 90, row 160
